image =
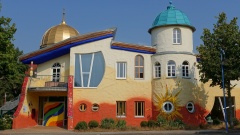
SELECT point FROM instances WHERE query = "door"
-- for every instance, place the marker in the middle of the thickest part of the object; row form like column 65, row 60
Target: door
column 53, row 114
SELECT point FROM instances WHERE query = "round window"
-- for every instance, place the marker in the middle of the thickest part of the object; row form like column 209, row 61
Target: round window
column 82, row 107
column 95, row 107
column 168, row 107
column 190, row 107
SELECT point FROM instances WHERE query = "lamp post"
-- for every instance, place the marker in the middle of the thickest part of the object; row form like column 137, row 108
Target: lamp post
column 223, row 86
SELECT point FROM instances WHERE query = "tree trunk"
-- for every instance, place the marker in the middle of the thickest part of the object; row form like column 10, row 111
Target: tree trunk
column 230, row 119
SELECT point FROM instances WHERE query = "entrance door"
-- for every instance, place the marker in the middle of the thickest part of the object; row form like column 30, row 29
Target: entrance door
column 53, row 114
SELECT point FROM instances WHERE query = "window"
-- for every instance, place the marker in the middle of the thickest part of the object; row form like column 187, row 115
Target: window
column 190, row 107
column 89, row 69
column 185, row 69
column 157, row 70
column 95, row 107
column 139, row 108
column 56, row 72
column 121, row 70
column 168, row 107
column 139, row 66
column 176, row 36
column 82, row 107
column 121, row 108
column 171, row 69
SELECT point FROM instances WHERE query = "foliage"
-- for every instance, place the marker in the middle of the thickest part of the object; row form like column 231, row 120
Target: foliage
column 216, row 121
column 93, row 124
column 121, row 124
column 235, row 121
column 152, row 123
column 5, row 122
column 107, row 123
column 225, row 36
column 144, row 124
column 82, row 125
column 177, row 123
column 11, row 71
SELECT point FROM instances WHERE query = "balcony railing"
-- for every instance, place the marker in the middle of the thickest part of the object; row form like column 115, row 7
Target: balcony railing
column 48, row 81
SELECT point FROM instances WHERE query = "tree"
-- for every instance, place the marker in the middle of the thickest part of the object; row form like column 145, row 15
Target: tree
column 11, row 71
column 225, row 36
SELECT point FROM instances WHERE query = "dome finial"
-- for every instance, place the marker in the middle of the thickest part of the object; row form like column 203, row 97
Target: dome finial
column 170, row 6
column 63, row 18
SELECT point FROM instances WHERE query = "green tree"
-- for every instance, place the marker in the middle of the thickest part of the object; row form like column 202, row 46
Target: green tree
column 225, row 36
column 11, row 71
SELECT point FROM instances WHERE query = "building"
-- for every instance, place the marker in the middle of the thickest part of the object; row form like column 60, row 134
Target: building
column 81, row 77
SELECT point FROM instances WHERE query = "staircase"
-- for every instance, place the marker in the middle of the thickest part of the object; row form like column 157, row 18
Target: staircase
column 10, row 106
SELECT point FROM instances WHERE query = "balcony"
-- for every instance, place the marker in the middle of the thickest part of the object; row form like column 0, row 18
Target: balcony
column 41, row 83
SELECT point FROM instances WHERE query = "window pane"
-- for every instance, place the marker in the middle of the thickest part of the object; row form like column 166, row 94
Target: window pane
column 98, row 69
column 86, row 61
column 77, row 75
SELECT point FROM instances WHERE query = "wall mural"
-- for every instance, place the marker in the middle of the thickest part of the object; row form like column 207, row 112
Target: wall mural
column 53, row 114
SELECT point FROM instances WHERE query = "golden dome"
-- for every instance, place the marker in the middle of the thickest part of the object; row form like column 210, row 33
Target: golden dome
column 58, row 33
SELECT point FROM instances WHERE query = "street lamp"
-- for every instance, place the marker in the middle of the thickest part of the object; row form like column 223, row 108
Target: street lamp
column 223, row 86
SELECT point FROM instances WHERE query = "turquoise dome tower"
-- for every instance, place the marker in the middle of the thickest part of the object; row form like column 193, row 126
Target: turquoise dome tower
column 171, row 17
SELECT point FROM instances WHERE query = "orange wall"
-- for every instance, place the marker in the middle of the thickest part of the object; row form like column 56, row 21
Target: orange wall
column 107, row 110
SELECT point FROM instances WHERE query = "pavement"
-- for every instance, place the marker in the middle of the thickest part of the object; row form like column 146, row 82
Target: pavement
column 41, row 130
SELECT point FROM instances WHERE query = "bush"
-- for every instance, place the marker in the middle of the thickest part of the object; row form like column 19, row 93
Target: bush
column 152, row 123
column 107, row 123
column 121, row 124
column 93, row 124
column 235, row 121
column 216, row 121
column 82, row 125
column 144, row 124
column 161, row 120
column 5, row 122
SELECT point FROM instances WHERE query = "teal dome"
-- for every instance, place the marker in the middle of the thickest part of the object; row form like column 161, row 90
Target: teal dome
column 171, row 16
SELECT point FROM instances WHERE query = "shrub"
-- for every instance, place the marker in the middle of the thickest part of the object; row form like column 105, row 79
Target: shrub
column 161, row 120
column 216, row 121
column 235, row 121
column 144, row 124
column 82, row 125
column 5, row 122
column 121, row 124
column 152, row 123
column 107, row 123
column 93, row 124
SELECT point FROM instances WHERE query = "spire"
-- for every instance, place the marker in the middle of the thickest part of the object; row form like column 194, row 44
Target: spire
column 63, row 17
column 171, row 6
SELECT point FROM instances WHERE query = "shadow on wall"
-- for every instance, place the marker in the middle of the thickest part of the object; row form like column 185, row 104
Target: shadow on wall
column 192, row 97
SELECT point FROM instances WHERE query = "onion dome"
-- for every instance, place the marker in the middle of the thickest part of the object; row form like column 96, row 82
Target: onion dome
column 171, row 17
column 58, row 33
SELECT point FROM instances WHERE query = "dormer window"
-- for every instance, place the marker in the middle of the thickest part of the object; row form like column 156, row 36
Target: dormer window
column 176, row 36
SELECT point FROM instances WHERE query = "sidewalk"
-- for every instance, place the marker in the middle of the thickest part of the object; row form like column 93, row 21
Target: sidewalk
column 61, row 131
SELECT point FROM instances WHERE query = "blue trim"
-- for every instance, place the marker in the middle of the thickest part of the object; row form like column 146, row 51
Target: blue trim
column 41, row 58
column 131, row 50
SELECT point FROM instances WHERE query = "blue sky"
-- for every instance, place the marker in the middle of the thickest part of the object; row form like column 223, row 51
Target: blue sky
column 132, row 18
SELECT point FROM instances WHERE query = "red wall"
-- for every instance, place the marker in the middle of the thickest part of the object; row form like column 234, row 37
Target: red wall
column 109, row 111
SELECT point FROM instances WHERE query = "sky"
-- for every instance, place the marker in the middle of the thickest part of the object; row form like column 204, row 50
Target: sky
column 132, row 18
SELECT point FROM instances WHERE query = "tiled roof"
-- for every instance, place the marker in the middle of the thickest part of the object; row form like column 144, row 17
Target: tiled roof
column 64, row 46
column 133, row 47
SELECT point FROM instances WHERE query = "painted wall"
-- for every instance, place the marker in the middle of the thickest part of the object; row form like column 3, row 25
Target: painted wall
column 162, row 37
column 111, row 89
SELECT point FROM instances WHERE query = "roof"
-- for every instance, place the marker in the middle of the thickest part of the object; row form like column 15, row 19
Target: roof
column 133, row 47
column 170, row 17
column 63, row 47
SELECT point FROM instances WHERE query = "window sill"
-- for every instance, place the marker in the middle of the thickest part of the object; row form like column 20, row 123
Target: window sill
column 121, row 78
column 186, row 77
column 157, row 78
column 121, row 116
column 177, row 44
column 139, row 116
column 139, row 78
column 171, row 77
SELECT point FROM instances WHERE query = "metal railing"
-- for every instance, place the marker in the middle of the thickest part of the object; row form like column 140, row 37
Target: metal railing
column 48, row 81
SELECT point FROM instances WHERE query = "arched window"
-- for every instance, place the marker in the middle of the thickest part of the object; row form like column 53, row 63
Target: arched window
column 185, row 69
column 171, row 69
column 56, row 72
column 176, row 36
column 157, row 67
column 139, row 66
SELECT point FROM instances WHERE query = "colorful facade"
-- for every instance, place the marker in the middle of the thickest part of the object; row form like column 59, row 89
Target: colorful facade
column 81, row 77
